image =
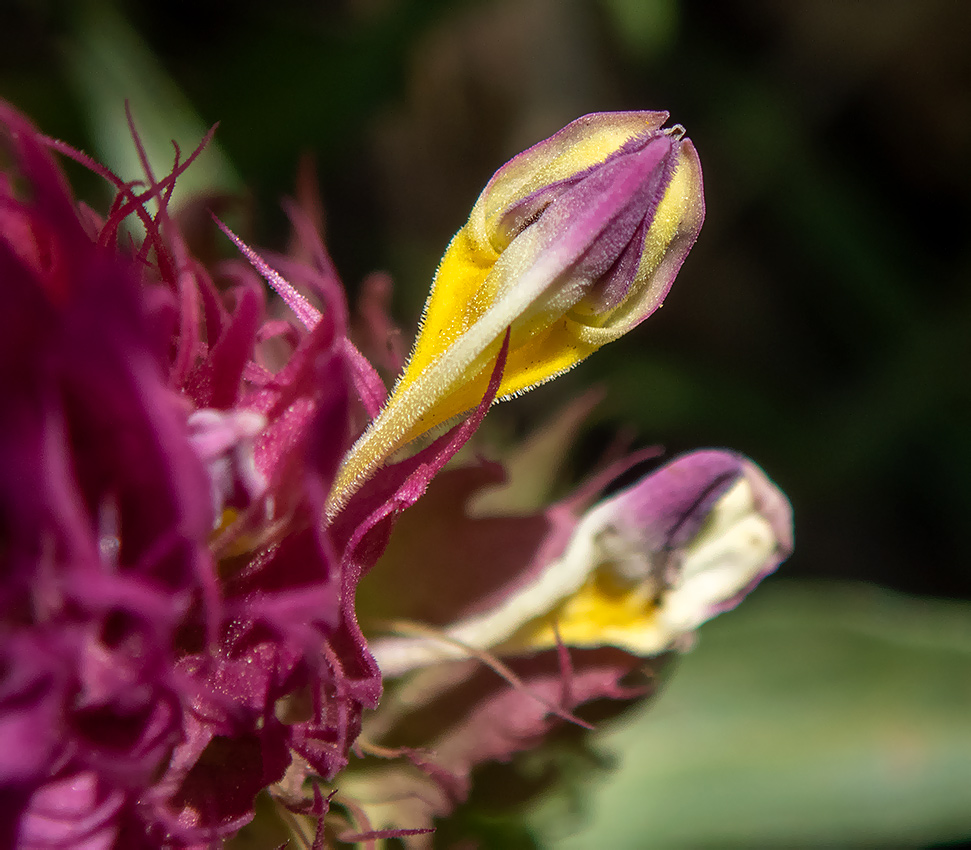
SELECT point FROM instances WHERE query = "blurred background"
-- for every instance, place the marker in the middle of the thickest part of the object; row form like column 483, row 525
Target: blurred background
column 822, row 325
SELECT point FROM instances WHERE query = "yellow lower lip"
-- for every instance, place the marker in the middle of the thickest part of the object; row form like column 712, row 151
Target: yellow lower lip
column 605, row 610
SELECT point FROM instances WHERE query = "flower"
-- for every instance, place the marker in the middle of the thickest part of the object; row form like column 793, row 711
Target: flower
column 176, row 627
column 105, row 515
column 640, row 570
column 570, row 245
column 649, row 565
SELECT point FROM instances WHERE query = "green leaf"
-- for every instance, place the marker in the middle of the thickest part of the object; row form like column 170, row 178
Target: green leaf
column 814, row 715
column 108, row 65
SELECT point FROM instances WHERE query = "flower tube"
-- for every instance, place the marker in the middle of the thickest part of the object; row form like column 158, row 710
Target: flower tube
column 571, row 244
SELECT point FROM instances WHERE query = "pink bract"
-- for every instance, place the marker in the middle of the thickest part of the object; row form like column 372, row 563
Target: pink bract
column 176, row 621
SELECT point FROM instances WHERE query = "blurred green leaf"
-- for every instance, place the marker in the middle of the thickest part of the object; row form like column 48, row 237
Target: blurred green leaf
column 815, row 715
column 109, row 65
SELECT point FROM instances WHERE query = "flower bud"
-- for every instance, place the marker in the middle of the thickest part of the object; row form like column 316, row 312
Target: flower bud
column 649, row 565
column 641, row 571
column 571, row 244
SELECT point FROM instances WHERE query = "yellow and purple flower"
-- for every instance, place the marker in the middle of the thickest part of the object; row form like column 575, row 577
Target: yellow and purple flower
column 640, row 570
column 570, row 245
